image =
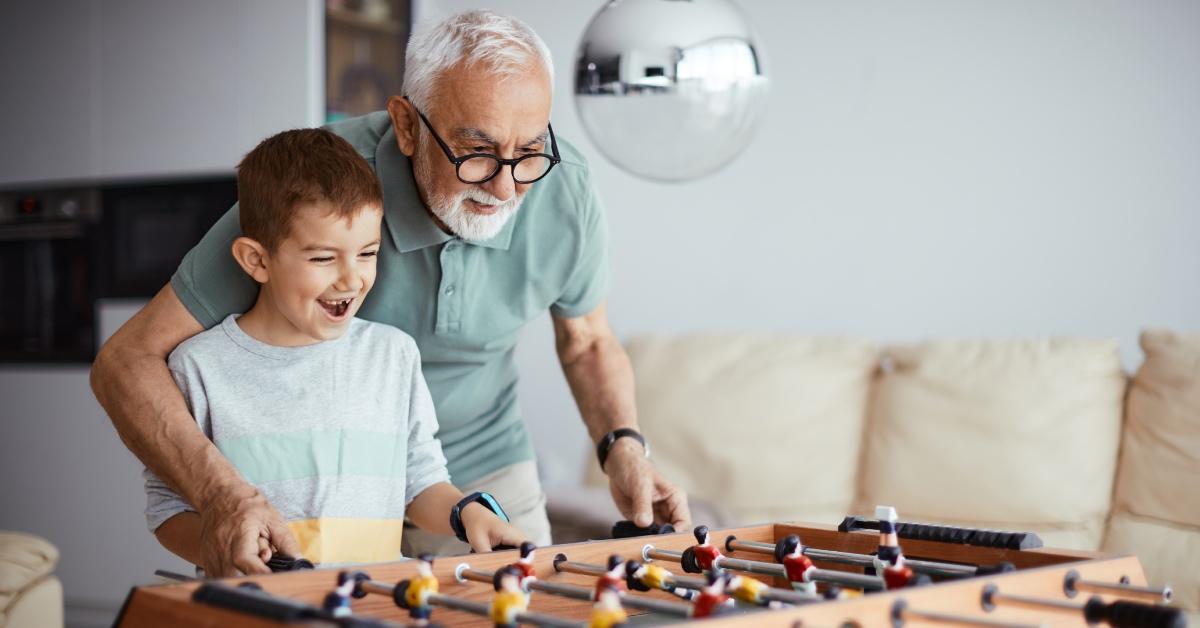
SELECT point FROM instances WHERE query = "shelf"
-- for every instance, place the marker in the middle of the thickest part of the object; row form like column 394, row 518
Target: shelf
column 350, row 19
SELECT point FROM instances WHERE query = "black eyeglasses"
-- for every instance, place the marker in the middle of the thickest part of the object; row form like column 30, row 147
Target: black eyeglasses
column 481, row 167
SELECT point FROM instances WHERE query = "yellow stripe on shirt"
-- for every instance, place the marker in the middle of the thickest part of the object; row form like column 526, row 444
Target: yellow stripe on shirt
column 348, row 540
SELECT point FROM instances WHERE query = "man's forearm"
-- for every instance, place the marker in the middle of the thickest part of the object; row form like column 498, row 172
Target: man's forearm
column 601, row 380
column 149, row 413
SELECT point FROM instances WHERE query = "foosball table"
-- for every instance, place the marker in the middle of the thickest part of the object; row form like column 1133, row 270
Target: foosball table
column 864, row 572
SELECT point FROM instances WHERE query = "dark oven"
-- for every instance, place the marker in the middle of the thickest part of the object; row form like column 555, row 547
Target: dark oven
column 62, row 249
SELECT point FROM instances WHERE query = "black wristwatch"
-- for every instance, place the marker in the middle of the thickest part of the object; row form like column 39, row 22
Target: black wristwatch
column 481, row 497
column 607, row 441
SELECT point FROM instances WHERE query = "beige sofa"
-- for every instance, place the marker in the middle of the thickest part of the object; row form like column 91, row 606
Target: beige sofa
column 30, row 595
column 1047, row 436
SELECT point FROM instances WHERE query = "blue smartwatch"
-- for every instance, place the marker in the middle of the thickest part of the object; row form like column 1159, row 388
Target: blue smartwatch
column 481, row 497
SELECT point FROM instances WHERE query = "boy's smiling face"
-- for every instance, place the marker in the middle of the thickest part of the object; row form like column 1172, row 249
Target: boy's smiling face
column 315, row 280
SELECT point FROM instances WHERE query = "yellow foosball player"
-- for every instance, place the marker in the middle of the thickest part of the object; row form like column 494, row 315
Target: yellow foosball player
column 420, row 588
column 748, row 590
column 509, row 600
column 650, row 577
column 607, row 612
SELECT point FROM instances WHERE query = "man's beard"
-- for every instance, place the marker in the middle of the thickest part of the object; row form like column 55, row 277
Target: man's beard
column 453, row 212
column 469, row 225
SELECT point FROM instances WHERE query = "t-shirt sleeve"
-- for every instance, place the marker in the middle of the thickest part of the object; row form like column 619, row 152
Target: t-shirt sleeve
column 208, row 281
column 426, row 462
column 587, row 283
column 162, row 502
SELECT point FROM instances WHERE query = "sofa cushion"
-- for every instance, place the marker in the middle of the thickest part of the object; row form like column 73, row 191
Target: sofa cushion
column 1160, row 456
column 1168, row 553
column 24, row 560
column 1157, row 510
column 766, row 426
column 1019, row 434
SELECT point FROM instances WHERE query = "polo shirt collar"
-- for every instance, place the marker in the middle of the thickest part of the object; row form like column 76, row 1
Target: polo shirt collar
column 407, row 218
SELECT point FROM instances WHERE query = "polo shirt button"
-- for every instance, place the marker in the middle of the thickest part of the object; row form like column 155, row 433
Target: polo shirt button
column 449, row 290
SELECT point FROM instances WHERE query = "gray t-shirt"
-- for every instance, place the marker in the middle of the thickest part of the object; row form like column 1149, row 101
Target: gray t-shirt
column 339, row 435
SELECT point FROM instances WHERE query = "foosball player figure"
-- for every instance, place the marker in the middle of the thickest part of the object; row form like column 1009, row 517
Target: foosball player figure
column 799, row 567
column 889, row 560
column 706, row 553
column 712, row 599
column 607, row 612
column 649, row 577
column 509, row 600
column 525, row 564
column 748, row 590
column 337, row 601
column 614, row 578
column 419, row 589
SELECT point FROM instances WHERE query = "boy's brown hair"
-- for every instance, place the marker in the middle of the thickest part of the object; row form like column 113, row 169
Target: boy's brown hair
column 301, row 167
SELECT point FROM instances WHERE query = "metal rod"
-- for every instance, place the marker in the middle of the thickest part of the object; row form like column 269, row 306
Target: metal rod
column 856, row 580
column 991, row 594
column 930, row 567
column 577, row 592
column 473, row 607
column 1072, row 584
column 771, row 594
column 901, row 612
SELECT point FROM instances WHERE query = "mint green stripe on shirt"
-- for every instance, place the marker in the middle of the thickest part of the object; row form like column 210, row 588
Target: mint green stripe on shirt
column 275, row 457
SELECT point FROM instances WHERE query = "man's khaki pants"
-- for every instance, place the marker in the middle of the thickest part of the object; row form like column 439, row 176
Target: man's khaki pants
column 519, row 492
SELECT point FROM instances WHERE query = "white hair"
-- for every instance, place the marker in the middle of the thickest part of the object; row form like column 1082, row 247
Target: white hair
column 505, row 44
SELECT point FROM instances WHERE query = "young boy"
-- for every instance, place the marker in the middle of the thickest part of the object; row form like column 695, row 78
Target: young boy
column 326, row 414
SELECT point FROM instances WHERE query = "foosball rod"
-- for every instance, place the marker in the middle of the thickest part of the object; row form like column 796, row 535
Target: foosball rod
column 858, row 581
column 471, row 606
column 1073, row 584
column 902, row 612
column 1119, row 614
column 464, row 573
column 771, row 594
column 930, row 567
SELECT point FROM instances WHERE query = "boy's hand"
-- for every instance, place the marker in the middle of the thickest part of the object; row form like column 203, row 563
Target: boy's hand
column 238, row 531
column 485, row 530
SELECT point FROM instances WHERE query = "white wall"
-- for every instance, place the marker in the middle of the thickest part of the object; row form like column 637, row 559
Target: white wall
column 925, row 169
column 940, row 169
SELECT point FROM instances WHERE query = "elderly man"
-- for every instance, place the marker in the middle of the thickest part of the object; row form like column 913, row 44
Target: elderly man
column 489, row 220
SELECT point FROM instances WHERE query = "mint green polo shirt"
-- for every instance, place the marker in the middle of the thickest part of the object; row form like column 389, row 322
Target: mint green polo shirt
column 464, row 302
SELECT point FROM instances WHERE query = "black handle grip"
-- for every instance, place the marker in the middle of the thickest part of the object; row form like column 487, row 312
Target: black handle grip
column 283, row 562
column 1123, row 614
column 628, row 529
column 252, row 602
column 949, row 534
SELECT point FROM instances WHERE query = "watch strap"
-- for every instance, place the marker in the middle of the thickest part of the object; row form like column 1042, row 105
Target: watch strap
column 606, row 442
column 483, row 498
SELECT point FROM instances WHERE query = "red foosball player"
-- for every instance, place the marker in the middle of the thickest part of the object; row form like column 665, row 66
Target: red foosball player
column 508, row 601
column 706, row 553
column 614, row 578
column 889, row 560
column 525, row 564
column 712, row 599
column 799, row 567
column 419, row 590
column 607, row 612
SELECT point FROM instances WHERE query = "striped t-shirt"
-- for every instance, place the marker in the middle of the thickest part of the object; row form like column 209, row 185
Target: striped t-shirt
column 339, row 435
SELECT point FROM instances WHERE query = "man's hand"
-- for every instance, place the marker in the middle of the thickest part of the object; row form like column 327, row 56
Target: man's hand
column 485, row 530
column 641, row 494
column 239, row 532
